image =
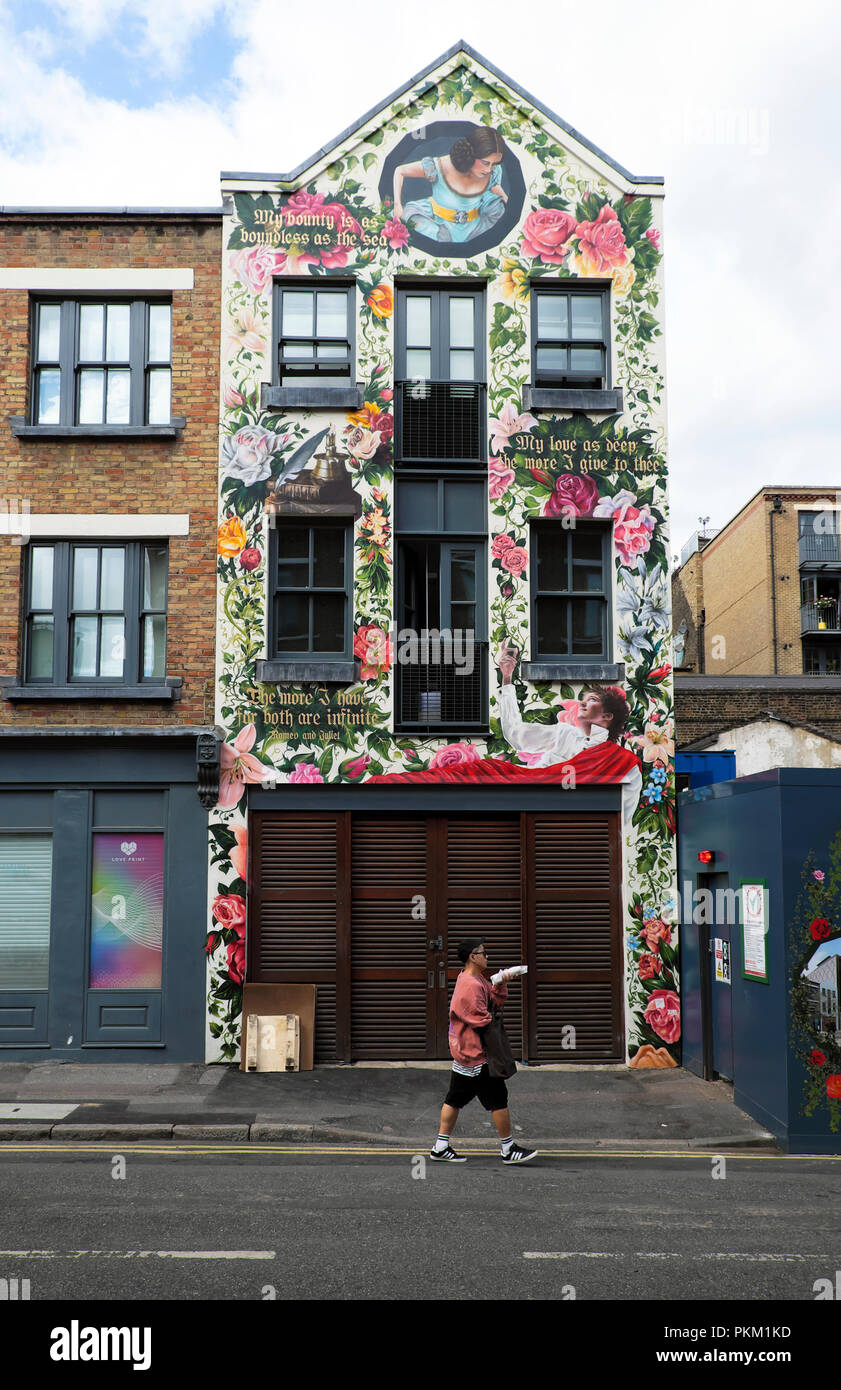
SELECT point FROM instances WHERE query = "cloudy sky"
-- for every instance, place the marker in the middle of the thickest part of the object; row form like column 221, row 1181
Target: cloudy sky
column 737, row 104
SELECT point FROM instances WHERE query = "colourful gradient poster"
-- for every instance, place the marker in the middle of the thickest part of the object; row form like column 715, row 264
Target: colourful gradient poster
column 127, row 911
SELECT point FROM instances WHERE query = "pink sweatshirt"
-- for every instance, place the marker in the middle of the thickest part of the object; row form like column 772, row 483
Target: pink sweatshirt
column 469, row 1010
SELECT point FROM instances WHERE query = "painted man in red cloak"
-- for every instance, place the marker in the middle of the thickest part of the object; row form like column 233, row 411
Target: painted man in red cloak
column 565, row 753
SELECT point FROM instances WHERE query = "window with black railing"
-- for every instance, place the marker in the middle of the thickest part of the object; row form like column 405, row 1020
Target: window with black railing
column 442, row 651
column 440, row 422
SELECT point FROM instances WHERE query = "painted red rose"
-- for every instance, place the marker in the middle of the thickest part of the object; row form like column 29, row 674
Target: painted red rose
column 662, row 1014
column 515, row 559
column 499, row 545
column 545, row 232
column 229, row 910
column 236, row 961
column 818, row 1058
column 660, row 674
column 250, row 558
column 648, row 966
column 372, row 646
column 833, row 1086
column 573, row 496
column 820, row 929
column 385, row 424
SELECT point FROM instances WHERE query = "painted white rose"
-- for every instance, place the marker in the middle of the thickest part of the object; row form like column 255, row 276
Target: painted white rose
column 248, row 453
column 363, row 444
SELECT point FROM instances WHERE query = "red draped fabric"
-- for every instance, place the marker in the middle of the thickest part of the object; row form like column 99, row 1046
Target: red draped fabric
column 606, row 762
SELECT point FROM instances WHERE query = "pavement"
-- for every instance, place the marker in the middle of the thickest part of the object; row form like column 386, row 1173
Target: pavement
column 370, row 1103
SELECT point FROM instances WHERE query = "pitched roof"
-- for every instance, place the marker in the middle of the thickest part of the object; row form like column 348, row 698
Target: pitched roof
column 459, row 47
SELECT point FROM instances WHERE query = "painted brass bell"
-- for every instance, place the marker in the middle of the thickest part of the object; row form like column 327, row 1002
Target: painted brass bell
column 328, row 466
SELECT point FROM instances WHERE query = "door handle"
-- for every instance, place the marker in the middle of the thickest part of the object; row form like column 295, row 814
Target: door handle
column 431, row 984
column 442, row 975
column 436, row 943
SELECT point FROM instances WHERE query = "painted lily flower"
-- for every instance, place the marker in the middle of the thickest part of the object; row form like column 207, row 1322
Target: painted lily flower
column 509, row 423
column 239, row 854
column 656, row 746
column 240, row 766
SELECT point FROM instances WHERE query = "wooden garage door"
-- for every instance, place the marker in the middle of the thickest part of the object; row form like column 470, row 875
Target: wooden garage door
column 371, row 909
column 574, row 938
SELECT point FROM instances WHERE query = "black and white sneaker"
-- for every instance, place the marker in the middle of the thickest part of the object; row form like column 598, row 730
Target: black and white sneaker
column 447, row 1155
column 517, row 1155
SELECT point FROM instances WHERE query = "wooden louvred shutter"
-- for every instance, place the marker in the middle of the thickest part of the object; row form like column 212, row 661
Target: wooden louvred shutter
column 575, row 939
column 483, row 887
column 294, row 910
column 388, row 945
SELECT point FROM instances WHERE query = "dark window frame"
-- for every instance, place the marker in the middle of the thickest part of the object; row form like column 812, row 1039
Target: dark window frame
column 821, row 651
column 285, row 379
column 537, row 529
column 437, row 291
column 63, row 613
column 310, row 523
column 571, row 380
column 70, row 364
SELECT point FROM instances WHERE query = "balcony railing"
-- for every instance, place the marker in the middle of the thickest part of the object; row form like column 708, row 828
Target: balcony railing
column 440, row 422
column 816, row 548
column 818, row 617
column 440, row 694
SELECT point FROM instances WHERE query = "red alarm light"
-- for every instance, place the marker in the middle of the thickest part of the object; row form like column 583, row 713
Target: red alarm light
column 705, row 856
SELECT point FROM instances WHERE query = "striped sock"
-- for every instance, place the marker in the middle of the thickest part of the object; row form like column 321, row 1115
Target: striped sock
column 441, row 1143
column 505, row 1144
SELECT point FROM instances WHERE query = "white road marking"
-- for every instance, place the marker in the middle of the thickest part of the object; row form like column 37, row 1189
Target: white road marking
column 15, row 1110
column 141, row 1254
column 658, row 1255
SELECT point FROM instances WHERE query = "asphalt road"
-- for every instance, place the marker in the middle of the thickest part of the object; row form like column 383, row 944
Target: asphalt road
column 223, row 1225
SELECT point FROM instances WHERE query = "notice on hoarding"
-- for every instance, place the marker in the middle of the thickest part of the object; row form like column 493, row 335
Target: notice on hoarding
column 722, row 959
column 754, row 902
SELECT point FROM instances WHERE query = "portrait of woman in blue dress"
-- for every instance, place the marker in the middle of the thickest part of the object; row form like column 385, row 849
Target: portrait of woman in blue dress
column 466, row 197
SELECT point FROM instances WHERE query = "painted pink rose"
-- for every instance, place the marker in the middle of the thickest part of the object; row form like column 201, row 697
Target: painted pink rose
column 632, row 531
column 396, row 234
column 499, row 545
column 654, row 237
column 239, row 853
column 453, row 754
column 654, row 931
column 255, row 267
column 232, row 398
column 229, row 910
column 662, row 1013
column 250, row 558
column 648, row 966
column 306, row 772
column 373, row 648
column 500, row 478
column 355, row 768
column 572, row 496
column 363, row 444
column 386, row 394
column 601, row 243
column 545, row 234
column 515, row 560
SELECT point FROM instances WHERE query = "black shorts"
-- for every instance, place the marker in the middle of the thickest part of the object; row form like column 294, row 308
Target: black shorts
column 491, row 1090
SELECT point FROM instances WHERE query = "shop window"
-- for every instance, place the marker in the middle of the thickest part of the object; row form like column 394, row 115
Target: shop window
column 26, row 886
column 570, row 336
column 96, row 614
column 312, row 564
column 102, row 363
column 570, row 592
column 314, row 333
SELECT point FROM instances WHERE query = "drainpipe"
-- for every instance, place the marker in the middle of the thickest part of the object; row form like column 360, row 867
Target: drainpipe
column 777, row 511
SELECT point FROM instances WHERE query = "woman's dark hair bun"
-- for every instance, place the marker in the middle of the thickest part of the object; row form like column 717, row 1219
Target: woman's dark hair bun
column 462, row 155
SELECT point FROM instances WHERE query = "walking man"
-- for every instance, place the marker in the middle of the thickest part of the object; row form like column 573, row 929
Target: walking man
column 471, row 1009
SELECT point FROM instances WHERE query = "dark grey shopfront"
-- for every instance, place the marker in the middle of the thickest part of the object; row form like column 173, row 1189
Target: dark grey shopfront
column 103, row 889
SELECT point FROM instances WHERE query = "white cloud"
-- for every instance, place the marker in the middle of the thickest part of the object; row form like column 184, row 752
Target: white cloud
column 734, row 103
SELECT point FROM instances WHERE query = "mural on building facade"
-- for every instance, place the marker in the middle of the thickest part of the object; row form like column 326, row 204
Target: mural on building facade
column 815, row 939
column 372, row 215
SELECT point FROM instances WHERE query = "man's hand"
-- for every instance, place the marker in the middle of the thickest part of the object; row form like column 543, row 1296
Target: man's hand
column 506, row 661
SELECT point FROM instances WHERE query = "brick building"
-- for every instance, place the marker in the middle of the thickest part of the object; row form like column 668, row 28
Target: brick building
column 109, row 320
column 763, row 595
